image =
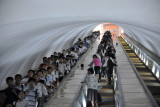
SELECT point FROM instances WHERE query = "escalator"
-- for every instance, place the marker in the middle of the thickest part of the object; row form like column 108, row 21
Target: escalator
column 146, row 74
column 107, row 94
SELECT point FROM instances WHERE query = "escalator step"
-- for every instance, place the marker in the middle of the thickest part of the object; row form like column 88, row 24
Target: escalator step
column 107, row 94
column 145, row 73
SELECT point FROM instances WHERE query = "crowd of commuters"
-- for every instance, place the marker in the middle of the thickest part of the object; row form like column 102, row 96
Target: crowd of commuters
column 34, row 89
column 103, row 63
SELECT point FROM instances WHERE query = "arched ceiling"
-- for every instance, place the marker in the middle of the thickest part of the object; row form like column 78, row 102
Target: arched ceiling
column 31, row 29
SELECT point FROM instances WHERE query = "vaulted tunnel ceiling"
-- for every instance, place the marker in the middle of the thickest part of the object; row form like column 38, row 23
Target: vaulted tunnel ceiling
column 31, row 29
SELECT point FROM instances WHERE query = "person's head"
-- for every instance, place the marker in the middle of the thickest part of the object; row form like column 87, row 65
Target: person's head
column 49, row 59
column 43, row 66
column 94, row 56
column 81, row 45
column 65, row 60
column 77, row 50
column 31, row 82
column 9, row 81
column 63, row 50
column 18, row 78
column 59, row 54
column 49, row 70
column 72, row 49
column 21, row 95
column 90, row 71
column 55, row 54
column 69, row 52
column 82, row 66
column 40, row 73
column 52, row 57
column 30, row 73
column 36, row 77
column 61, row 59
column 44, row 73
column 53, row 66
column 79, row 39
column 45, row 59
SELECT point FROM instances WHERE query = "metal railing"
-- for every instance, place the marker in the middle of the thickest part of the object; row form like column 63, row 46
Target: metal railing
column 147, row 60
column 118, row 93
column 60, row 86
column 80, row 98
column 140, row 79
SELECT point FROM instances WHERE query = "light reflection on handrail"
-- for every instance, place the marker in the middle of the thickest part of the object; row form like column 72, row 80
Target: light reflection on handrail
column 148, row 61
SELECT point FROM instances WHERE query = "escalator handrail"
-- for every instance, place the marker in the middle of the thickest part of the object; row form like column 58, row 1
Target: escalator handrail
column 73, row 104
column 140, row 79
column 122, row 102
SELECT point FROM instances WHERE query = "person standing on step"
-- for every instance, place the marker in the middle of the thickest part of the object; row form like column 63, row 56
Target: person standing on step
column 110, row 66
column 92, row 92
column 104, row 66
column 97, row 65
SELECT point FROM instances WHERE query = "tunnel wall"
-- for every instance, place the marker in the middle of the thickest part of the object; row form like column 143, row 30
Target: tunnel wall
column 31, row 29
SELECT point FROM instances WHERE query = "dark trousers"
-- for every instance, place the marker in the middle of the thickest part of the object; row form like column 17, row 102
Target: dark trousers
column 102, row 72
column 109, row 78
column 61, row 78
column 97, row 71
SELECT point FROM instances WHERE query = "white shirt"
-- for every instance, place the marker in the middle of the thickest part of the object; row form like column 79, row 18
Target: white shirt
column 84, row 48
column 81, row 50
column 92, row 82
column 61, row 67
column 41, row 89
column 68, row 66
column 55, row 73
column 19, row 87
column 104, row 62
column 74, row 54
column 88, row 41
column 19, row 103
column 24, row 80
column 31, row 96
column 49, row 79
column 103, row 52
